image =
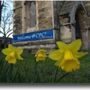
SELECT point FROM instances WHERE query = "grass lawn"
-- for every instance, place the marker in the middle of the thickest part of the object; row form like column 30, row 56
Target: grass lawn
column 28, row 71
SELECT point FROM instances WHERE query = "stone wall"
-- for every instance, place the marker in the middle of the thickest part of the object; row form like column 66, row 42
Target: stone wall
column 17, row 17
column 87, row 5
column 87, row 9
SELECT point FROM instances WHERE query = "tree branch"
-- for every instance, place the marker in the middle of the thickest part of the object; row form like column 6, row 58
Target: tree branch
column 1, row 32
column 9, row 31
column 9, row 34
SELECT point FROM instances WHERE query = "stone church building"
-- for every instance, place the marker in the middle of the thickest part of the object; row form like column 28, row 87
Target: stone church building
column 39, row 24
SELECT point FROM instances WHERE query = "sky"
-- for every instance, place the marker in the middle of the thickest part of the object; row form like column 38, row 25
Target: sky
column 5, row 10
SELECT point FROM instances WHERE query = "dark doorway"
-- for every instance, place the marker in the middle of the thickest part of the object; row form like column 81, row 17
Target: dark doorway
column 77, row 25
column 81, row 26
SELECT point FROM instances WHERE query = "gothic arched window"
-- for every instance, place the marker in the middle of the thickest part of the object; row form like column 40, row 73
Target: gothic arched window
column 31, row 14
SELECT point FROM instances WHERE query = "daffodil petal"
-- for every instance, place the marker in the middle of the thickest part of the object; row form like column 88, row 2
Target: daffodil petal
column 61, row 45
column 10, row 46
column 43, row 50
column 75, row 45
column 20, row 58
column 55, row 55
column 80, row 54
column 6, row 51
column 19, row 50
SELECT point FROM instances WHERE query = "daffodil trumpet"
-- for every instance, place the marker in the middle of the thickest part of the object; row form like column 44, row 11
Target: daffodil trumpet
column 40, row 55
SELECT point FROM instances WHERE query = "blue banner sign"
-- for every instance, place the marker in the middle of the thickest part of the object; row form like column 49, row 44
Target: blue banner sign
column 34, row 36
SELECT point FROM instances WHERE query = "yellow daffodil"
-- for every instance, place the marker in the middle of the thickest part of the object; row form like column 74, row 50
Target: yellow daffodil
column 12, row 54
column 67, row 55
column 40, row 55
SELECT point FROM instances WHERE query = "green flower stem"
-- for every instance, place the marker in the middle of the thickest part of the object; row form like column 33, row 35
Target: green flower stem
column 10, row 73
column 64, row 75
column 1, row 64
column 36, row 72
column 56, row 74
column 3, row 71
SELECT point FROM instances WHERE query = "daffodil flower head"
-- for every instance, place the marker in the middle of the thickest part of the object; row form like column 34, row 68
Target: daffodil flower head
column 12, row 54
column 40, row 55
column 67, row 55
